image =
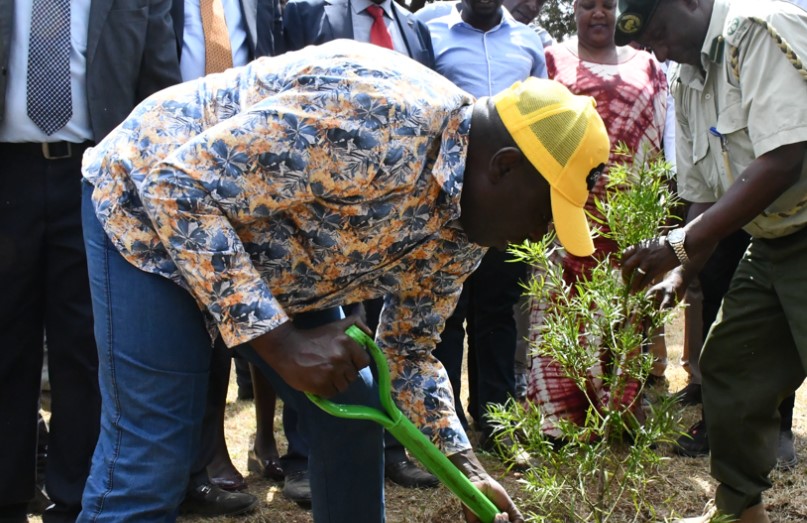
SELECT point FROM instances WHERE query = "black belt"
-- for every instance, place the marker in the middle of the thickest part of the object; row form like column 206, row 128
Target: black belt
column 46, row 150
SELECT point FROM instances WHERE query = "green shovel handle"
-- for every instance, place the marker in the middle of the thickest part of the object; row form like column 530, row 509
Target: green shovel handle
column 407, row 434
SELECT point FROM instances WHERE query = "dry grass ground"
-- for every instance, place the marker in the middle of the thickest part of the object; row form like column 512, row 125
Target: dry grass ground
column 684, row 481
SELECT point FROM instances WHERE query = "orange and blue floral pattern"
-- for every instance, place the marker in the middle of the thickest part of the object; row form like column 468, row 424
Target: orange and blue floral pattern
column 314, row 179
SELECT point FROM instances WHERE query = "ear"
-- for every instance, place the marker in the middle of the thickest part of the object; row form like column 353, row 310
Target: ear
column 503, row 161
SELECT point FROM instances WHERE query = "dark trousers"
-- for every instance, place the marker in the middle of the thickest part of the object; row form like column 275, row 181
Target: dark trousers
column 43, row 274
column 716, row 274
column 753, row 359
column 486, row 304
column 715, row 278
column 213, row 421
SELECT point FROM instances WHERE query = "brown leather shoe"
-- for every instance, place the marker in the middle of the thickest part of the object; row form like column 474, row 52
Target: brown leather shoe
column 755, row 514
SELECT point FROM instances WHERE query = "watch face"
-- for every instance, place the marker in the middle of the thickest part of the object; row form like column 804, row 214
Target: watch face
column 676, row 236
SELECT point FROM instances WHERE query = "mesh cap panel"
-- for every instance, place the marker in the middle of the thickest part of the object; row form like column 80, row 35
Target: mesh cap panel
column 560, row 134
column 564, row 139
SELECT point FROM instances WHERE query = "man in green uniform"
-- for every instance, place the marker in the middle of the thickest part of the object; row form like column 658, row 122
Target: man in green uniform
column 741, row 103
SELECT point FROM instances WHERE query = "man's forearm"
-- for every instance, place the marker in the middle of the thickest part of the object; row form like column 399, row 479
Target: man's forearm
column 762, row 182
column 467, row 462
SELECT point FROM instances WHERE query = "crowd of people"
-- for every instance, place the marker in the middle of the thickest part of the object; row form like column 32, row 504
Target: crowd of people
column 189, row 184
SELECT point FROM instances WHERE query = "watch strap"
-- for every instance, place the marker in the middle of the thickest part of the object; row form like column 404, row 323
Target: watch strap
column 680, row 252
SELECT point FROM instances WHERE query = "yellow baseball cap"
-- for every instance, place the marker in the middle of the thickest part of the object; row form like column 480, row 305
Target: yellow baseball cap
column 564, row 138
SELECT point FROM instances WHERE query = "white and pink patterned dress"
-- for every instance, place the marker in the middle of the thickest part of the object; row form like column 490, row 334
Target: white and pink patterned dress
column 631, row 99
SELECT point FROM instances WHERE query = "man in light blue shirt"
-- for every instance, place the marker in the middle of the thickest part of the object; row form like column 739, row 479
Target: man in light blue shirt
column 483, row 49
column 192, row 56
column 480, row 47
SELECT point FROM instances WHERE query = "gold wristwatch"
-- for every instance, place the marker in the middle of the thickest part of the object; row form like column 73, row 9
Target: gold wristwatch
column 676, row 240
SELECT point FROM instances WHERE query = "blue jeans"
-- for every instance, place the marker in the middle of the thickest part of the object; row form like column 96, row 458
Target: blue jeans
column 154, row 354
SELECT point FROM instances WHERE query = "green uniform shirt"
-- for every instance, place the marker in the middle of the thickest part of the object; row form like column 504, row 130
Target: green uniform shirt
column 752, row 96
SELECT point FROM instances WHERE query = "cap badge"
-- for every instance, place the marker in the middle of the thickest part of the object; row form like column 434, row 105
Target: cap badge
column 593, row 176
column 630, row 23
column 735, row 24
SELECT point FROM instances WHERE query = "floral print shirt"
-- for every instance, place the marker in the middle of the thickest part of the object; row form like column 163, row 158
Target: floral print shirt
column 309, row 180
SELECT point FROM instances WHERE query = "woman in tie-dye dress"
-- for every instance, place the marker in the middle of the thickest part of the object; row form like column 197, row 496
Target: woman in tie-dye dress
column 630, row 88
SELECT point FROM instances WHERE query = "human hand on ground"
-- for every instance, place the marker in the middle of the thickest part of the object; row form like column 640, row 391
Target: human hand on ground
column 467, row 462
column 496, row 493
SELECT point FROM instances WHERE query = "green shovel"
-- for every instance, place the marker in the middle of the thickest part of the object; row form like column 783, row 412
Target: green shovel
column 406, row 432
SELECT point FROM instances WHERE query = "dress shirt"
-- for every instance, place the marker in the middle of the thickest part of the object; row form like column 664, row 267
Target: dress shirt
column 753, row 115
column 363, row 22
column 543, row 34
column 192, row 61
column 486, row 62
column 17, row 126
column 328, row 176
column 436, row 9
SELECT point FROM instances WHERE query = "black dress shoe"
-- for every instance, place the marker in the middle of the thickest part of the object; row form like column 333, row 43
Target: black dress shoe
column 229, row 483
column 694, row 443
column 408, row 475
column 297, row 488
column 210, row 501
column 689, row 395
column 267, row 468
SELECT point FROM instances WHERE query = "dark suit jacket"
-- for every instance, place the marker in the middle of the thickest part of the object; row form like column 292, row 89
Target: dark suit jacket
column 131, row 54
column 313, row 22
column 263, row 22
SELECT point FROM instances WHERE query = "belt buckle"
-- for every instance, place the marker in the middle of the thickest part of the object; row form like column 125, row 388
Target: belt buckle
column 46, row 152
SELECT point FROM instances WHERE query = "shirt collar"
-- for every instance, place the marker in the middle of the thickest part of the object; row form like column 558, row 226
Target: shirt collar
column 455, row 18
column 359, row 6
column 712, row 50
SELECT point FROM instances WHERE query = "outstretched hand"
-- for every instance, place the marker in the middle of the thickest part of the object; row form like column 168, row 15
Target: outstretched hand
column 669, row 291
column 644, row 262
column 323, row 360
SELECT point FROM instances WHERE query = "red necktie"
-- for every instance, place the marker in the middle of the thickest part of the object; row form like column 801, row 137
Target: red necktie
column 379, row 34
